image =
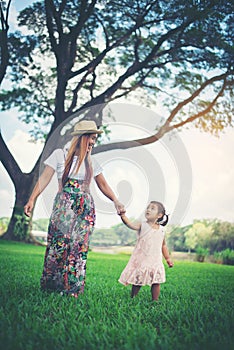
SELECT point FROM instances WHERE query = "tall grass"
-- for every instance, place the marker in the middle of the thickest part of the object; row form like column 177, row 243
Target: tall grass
column 195, row 310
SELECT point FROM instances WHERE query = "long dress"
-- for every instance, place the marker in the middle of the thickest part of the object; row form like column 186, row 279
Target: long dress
column 71, row 224
column 145, row 266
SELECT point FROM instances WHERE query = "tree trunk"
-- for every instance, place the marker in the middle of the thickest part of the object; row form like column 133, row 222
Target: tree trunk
column 19, row 228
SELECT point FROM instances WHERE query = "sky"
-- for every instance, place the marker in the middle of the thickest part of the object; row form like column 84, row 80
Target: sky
column 192, row 172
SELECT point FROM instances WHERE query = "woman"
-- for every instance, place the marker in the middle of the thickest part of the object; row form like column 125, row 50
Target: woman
column 73, row 215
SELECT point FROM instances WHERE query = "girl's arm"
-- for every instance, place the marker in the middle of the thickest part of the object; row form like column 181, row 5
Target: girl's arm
column 166, row 254
column 107, row 191
column 128, row 223
column 41, row 184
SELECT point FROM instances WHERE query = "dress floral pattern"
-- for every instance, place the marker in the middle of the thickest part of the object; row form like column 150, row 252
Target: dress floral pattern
column 145, row 267
column 71, row 223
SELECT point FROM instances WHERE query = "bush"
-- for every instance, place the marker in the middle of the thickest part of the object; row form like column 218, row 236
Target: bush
column 201, row 254
column 228, row 256
column 224, row 257
column 217, row 258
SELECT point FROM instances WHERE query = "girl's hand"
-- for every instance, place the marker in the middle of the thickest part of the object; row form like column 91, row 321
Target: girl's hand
column 169, row 263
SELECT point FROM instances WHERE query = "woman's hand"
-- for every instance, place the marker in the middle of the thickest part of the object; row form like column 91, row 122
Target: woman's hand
column 29, row 207
column 41, row 184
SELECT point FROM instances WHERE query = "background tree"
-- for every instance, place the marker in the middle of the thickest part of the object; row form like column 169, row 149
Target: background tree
column 176, row 238
column 125, row 234
column 3, row 224
column 198, row 235
column 104, row 237
column 222, row 236
column 88, row 53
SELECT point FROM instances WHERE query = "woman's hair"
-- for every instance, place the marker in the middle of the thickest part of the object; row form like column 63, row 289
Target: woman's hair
column 79, row 144
column 161, row 210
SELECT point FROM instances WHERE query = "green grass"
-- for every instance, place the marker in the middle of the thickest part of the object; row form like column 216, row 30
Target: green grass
column 195, row 310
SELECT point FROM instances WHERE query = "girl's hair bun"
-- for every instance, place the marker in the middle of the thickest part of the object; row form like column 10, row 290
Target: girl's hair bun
column 163, row 220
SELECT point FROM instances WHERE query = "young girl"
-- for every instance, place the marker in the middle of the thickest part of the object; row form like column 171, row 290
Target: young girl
column 145, row 266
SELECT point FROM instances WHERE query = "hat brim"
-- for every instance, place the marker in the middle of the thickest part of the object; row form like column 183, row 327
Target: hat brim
column 81, row 132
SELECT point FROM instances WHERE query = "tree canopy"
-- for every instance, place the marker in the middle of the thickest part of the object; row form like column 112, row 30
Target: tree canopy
column 92, row 52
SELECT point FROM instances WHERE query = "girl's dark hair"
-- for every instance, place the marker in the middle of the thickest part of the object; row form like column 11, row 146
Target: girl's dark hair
column 161, row 210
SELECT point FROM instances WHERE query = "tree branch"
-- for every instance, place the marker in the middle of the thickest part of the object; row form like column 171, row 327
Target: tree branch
column 94, row 63
column 50, row 28
column 62, row 7
column 75, row 94
column 135, row 67
column 167, row 127
column 203, row 112
column 104, row 30
column 127, row 144
column 56, row 16
column 129, row 89
column 92, row 85
column 195, row 94
column 8, row 10
column 85, row 13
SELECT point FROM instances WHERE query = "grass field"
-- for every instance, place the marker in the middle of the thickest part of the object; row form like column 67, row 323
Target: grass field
column 195, row 310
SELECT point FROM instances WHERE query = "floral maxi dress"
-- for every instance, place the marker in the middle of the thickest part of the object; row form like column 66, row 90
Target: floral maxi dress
column 71, row 223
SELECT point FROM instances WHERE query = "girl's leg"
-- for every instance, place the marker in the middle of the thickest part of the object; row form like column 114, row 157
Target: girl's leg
column 155, row 291
column 135, row 290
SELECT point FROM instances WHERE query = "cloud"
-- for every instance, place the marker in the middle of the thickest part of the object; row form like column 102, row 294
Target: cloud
column 213, row 170
column 13, row 18
column 13, row 14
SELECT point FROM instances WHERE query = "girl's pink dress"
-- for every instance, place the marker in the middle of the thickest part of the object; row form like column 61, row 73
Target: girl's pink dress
column 145, row 266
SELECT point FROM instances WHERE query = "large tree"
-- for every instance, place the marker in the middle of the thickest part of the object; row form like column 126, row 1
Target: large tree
column 88, row 53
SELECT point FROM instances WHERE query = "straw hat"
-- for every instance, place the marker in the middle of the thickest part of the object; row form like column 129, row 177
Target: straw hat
column 85, row 127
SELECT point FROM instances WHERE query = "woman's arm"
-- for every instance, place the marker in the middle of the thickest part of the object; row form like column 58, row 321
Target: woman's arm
column 107, row 191
column 41, row 184
column 166, row 254
column 128, row 223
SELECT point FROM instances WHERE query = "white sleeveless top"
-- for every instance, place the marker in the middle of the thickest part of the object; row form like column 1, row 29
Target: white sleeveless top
column 57, row 161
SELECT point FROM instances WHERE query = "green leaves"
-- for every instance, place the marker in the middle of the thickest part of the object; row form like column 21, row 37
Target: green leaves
column 13, row 97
